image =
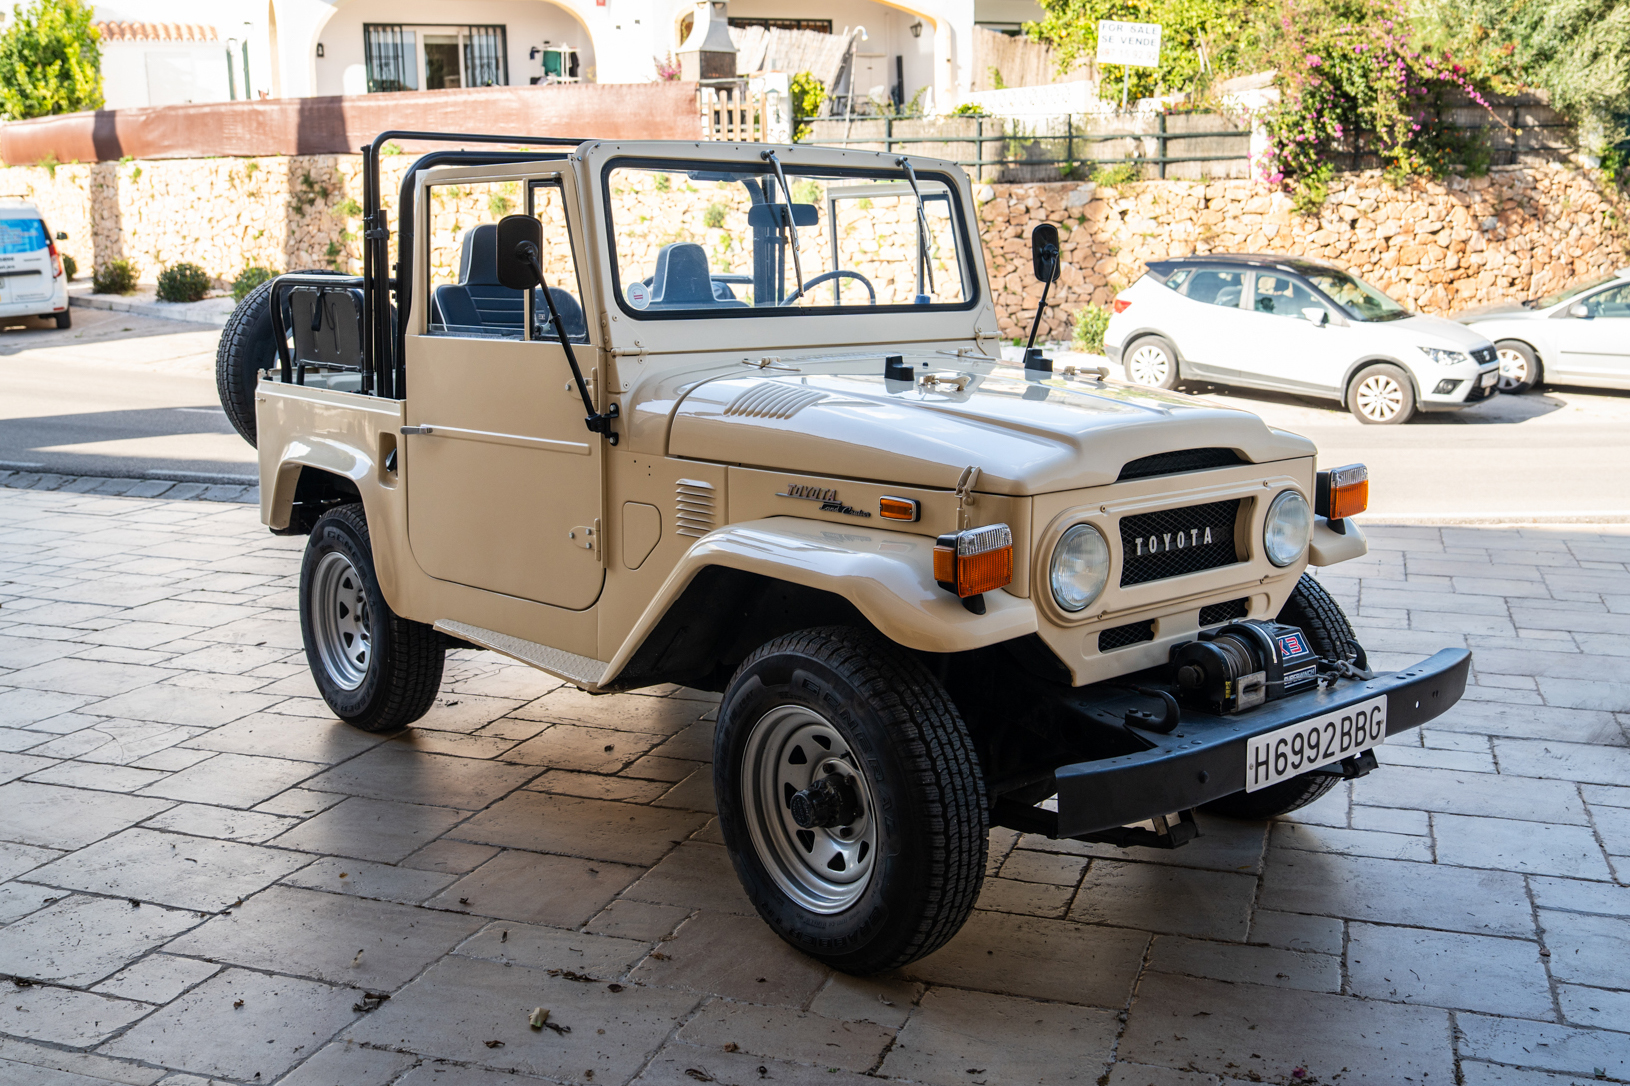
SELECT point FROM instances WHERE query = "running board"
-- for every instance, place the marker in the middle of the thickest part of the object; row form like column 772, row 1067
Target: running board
column 575, row 669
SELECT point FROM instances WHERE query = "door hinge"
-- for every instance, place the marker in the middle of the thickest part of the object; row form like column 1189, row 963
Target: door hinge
column 586, row 536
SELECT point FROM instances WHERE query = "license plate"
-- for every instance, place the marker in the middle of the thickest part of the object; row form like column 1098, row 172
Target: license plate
column 1296, row 748
column 1490, row 377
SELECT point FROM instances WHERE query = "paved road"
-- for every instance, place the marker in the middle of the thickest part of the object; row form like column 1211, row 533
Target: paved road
column 135, row 397
column 116, row 395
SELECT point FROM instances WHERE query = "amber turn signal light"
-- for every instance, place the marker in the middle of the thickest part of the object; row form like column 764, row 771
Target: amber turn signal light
column 975, row 560
column 1341, row 492
column 898, row 509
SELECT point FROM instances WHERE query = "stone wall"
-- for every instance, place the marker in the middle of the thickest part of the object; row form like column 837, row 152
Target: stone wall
column 1440, row 247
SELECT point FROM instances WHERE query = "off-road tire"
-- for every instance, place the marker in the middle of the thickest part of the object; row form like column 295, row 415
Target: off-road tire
column 1167, row 374
column 1394, row 408
column 404, row 665
column 1330, row 635
column 65, row 319
column 1522, row 354
column 248, row 349
column 922, row 771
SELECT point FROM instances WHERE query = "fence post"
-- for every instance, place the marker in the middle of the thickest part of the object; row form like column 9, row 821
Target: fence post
column 1163, row 146
column 1069, row 145
column 979, row 145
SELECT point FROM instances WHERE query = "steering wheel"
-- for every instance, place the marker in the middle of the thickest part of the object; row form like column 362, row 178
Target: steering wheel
column 841, row 273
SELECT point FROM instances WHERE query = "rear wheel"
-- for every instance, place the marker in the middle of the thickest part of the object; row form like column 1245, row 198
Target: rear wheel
column 1152, row 361
column 1519, row 367
column 248, row 349
column 1381, row 396
column 851, row 798
column 376, row 670
column 1330, row 635
column 65, row 319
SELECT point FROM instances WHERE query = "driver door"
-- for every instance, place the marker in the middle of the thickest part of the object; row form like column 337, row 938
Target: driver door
column 504, row 480
column 1596, row 347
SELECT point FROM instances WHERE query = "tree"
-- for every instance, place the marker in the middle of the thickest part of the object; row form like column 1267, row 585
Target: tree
column 49, row 61
column 1197, row 37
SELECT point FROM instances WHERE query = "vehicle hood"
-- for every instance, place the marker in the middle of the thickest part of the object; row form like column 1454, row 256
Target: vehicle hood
column 1437, row 332
column 1503, row 310
column 1027, row 433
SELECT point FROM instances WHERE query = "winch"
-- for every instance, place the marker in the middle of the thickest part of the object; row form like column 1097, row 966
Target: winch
column 1244, row 664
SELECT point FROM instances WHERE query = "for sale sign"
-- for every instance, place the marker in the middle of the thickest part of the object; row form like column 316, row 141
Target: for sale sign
column 1137, row 44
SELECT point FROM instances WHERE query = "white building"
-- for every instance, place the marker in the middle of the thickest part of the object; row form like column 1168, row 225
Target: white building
column 299, row 48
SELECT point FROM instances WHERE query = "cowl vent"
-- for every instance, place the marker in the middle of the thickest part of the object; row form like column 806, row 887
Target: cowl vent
column 771, row 400
column 1176, row 463
column 694, row 510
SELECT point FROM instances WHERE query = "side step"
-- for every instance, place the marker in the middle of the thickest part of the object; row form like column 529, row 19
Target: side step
column 577, row 670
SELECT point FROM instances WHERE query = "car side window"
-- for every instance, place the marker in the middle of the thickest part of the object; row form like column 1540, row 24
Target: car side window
column 466, row 299
column 547, row 204
column 1614, row 302
column 1280, row 295
column 1216, row 286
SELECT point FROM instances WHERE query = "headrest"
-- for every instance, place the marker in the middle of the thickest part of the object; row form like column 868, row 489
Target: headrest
column 681, row 276
column 478, row 263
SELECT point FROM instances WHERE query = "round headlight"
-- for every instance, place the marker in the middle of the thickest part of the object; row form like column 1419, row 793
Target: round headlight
column 1289, row 525
column 1079, row 568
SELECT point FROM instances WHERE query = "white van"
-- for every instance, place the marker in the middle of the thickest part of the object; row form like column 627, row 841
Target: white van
column 31, row 280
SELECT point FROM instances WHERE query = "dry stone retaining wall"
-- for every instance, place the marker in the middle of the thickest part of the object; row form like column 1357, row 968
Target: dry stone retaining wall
column 1440, row 246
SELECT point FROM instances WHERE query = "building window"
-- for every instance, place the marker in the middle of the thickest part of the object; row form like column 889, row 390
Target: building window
column 820, row 26
column 404, row 58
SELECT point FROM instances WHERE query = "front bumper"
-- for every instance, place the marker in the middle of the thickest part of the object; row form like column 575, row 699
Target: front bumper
column 1469, row 388
column 1204, row 758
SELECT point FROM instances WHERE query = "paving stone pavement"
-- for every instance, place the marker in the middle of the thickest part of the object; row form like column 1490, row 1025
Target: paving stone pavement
column 205, row 878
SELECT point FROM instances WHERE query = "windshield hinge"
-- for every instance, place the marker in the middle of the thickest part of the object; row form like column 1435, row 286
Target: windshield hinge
column 965, row 497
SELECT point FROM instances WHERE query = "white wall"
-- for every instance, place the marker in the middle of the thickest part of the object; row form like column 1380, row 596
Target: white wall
column 888, row 35
column 234, row 19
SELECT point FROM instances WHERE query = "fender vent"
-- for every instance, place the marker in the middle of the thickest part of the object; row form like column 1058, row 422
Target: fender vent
column 769, row 400
column 1228, row 611
column 1118, row 637
column 694, row 508
column 1176, row 463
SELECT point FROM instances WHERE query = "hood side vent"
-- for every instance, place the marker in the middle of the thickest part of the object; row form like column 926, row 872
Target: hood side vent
column 694, row 508
column 1176, row 463
column 770, row 400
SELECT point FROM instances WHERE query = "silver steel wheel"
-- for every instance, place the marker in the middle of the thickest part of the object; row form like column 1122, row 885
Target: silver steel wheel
column 825, row 869
column 1149, row 365
column 1514, row 372
column 340, row 621
column 1380, row 397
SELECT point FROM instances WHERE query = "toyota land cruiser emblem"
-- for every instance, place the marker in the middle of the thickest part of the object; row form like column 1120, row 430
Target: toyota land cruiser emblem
column 1173, row 541
column 830, row 502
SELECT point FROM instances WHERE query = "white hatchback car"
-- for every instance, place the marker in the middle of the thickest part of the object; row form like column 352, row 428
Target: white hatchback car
column 1579, row 336
column 1297, row 325
column 31, row 280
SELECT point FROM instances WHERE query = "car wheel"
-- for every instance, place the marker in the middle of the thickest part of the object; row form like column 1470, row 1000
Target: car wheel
column 1381, row 396
column 850, row 797
column 65, row 319
column 1519, row 367
column 1152, row 361
column 376, row 670
column 247, row 350
column 1330, row 635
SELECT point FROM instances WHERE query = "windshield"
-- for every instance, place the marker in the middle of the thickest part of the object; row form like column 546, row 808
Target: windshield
column 1357, row 298
column 719, row 243
column 1572, row 292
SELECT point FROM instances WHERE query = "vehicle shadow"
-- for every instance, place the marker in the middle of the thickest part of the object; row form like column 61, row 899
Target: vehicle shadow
column 1500, row 409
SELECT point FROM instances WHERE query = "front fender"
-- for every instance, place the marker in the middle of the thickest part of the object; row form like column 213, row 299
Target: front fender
column 887, row 576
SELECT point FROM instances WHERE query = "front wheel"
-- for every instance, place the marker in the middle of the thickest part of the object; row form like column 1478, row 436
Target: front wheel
column 376, row 670
column 1519, row 367
column 1152, row 361
column 851, row 798
column 1381, row 396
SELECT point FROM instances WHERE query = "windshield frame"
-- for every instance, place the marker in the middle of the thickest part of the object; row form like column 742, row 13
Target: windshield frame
column 967, row 256
column 1309, row 274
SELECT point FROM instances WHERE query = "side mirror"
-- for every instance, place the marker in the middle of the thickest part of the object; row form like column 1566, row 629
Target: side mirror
column 62, row 235
column 1318, row 315
column 1580, row 310
column 514, row 232
column 1045, row 252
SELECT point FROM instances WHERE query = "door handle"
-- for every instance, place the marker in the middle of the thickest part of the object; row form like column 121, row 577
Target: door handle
column 409, row 431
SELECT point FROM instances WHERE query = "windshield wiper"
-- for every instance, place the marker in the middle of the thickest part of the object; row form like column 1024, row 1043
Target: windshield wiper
column 923, row 264
column 792, row 223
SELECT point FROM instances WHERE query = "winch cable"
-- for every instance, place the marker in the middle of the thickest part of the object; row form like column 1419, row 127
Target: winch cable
column 924, row 265
column 791, row 224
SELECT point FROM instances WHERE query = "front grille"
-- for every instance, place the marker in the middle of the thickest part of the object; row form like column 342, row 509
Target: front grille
column 1175, row 463
column 1478, row 392
column 1484, row 355
column 1227, row 611
column 1172, row 542
column 1118, row 637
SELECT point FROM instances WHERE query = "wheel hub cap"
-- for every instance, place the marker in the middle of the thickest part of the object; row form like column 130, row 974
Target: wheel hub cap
column 809, row 809
column 340, row 623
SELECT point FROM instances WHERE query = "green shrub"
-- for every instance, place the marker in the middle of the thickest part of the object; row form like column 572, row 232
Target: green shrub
column 1114, row 173
column 248, row 279
column 713, row 217
column 808, row 94
column 50, row 61
column 663, row 182
column 70, row 267
column 182, row 283
column 1090, row 323
column 970, row 109
column 114, row 277
column 1312, row 188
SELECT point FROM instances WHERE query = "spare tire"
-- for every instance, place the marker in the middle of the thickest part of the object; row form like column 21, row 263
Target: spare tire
column 247, row 350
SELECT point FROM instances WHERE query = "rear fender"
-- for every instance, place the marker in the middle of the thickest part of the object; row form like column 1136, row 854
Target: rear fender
column 887, row 576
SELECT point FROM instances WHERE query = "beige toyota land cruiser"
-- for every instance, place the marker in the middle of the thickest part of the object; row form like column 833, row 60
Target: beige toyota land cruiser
column 734, row 416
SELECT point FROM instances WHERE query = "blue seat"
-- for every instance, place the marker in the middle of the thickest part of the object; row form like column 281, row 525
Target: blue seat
column 480, row 301
column 681, row 280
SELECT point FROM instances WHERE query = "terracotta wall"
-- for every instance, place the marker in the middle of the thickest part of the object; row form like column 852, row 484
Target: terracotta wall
column 1441, row 247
